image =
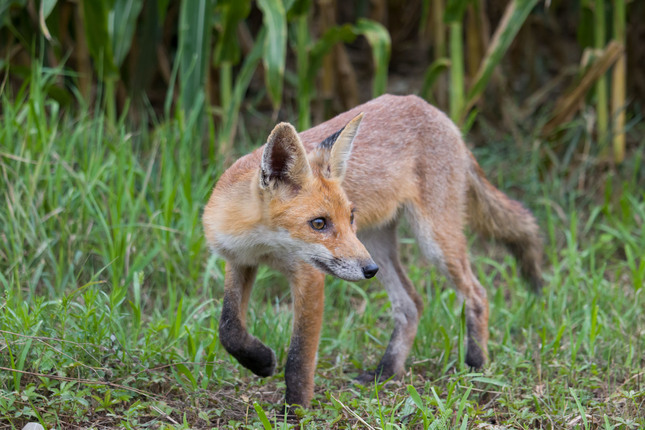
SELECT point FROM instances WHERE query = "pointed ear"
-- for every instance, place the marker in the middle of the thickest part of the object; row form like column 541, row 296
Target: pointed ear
column 284, row 159
column 341, row 147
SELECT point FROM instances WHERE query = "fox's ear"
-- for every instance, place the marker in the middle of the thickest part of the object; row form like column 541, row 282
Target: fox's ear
column 284, row 158
column 339, row 146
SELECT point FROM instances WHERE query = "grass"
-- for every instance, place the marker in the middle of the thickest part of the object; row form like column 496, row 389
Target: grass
column 111, row 302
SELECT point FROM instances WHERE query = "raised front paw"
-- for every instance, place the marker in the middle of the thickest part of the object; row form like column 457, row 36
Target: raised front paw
column 259, row 359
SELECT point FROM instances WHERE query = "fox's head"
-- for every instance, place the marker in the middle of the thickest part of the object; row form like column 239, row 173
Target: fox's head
column 303, row 197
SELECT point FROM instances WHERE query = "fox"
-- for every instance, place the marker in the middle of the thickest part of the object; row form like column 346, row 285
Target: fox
column 327, row 201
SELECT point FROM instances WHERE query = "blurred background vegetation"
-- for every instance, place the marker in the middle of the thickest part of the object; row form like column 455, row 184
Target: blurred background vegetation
column 524, row 66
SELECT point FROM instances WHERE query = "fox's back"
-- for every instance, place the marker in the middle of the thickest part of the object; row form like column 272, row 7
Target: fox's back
column 405, row 150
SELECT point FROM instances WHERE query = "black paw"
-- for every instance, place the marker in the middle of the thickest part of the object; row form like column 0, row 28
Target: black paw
column 259, row 360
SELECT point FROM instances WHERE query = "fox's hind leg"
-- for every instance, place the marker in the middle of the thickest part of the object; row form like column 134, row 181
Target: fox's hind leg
column 407, row 305
column 247, row 349
column 441, row 239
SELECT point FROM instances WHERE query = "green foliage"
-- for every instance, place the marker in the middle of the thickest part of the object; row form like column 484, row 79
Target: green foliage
column 96, row 25
column 110, row 301
column 379, row 39
column 504, row 36
column 455, row 11
column 194, row 48
column 311, row 54
column 230, row 13
column 109, row 28
column 275, row 47
column 462, row 99
column 232, row 109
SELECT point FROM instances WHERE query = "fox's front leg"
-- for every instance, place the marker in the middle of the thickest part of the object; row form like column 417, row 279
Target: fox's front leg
column 247, row 349
column 308, row 291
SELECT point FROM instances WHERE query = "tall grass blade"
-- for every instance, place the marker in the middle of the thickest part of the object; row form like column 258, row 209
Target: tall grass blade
column 581, row 410
column 21, row 363
column 263, row 416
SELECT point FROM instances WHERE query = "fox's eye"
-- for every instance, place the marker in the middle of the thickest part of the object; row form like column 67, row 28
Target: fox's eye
column 318, row 223
column 351, row 218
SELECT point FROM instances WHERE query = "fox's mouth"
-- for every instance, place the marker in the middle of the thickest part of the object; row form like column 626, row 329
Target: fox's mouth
column 322, row 266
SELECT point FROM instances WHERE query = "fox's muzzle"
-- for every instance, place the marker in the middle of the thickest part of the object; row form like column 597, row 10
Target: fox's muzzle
column 347, row 269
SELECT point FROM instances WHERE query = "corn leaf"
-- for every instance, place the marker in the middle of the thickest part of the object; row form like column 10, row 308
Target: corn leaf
column 514, row 17
column 454, row 11
column 46, row 7
column 296, row 8
column 227, row 132
column 379, row 39
column 4, row 8
column 122, row 21
column 95, row 22
column 195, row 19
column 231, row 13
column 162, row 9
column 322, row 47
column 434, row 71
column 275, row 47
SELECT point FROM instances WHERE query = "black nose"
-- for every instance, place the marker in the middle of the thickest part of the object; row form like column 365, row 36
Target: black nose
column 370, row 270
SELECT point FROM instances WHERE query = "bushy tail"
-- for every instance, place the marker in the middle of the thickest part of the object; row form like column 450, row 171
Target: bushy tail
column 493, row 214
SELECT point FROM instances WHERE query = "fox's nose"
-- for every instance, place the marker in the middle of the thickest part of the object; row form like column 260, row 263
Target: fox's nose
column 370, row 270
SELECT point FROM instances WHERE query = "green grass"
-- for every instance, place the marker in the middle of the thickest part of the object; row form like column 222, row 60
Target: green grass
column 111, row 301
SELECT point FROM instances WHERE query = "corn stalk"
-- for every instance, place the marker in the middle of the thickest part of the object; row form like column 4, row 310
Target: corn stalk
column 514, row 18
column 454, row 16
column 618, row 84
column 601, row 86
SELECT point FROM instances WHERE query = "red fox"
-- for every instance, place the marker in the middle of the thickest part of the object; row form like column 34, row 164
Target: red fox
column 327, row 201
